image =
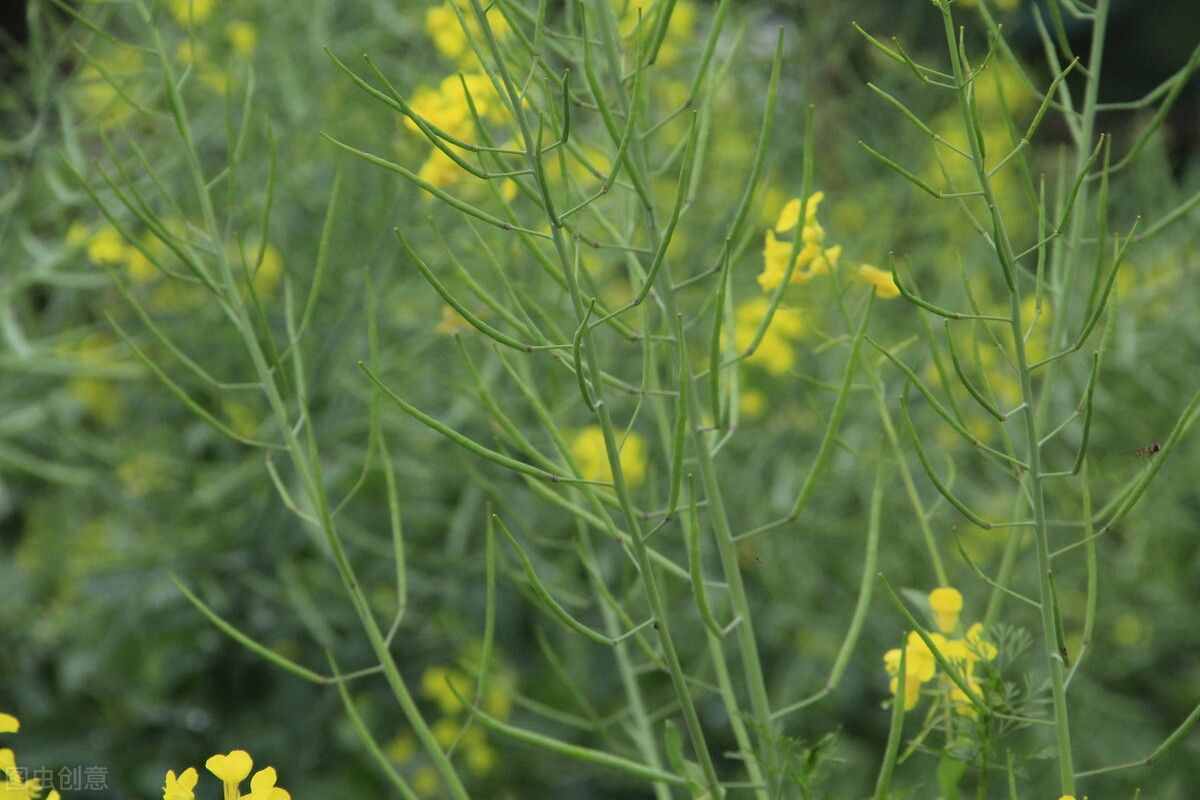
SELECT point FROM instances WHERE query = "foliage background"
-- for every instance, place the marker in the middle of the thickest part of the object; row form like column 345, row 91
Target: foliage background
column 107, row 483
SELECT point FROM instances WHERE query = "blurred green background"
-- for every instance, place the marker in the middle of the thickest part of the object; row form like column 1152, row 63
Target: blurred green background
column 108, row 484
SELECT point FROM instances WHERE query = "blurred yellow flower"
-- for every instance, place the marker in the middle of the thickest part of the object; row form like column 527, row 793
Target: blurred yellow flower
column 434, row 685
column 141, row 474
column 679, row 29
column 882, row 280
column 269, row 271
column 446, row 730
column 140, row 268
column 441, row 24
column 187, row 12
column 498, row 698
column 242, row 36
column 181, row 787
column 9, row 723
column 480, row 757
column 751, row 402
column 440, row 170
column 425, row 782
column 445, row 106
column 589, row 451
column 946, row 603
column 1128, row 629
column 401, row 748
column 190, row 52
column 77, row 234
column 99, row 397
column 452, row 322
column 106, row 247
column 774, row 353
column 443, row 27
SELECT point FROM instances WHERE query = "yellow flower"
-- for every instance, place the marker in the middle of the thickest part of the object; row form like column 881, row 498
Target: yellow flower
column 919, row 669
column 452, row 322
column 262, row 787
column 789, row 215
column 9, row 723
column 751, row 402
column 961, row 702
column 439, row 170
column 187, row 12
column 679, row 29
column 446, row 106
column 885, row 285
column 99, row 397
column 77, row 234
column 425, row 782
column 434, row 686
column 590, row 453
column 946, row 604
column 231, row 769
column 1128, row 629
column 95, row 92
column 107, row 247
column 775, row 353
column 912, row 691
column 242, row 36
column 8, row 763
column 980, row 647
column 191, row 52
column 180, row 788
column 445, row 730
column 402, row 748
column 480, row 757
column 269, row 271
column 498, row 698
column 813, row 258
column 215, row 79
column 142, row 474
column 140, row 269
column 442, row 26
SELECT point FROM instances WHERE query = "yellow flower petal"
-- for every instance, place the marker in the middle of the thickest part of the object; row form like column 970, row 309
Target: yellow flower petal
column 789, row 216
column 231, row 768
column 180, row 788
column 980, row 646
column 9, row 723
column 589, row 451
column 885, row 285
column 262, row 786
column 946, row 603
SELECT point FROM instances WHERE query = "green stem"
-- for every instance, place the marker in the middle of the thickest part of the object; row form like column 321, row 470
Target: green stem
column 1054, row 661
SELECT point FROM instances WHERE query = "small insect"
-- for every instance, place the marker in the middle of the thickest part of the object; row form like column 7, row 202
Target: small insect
column 1148, row 451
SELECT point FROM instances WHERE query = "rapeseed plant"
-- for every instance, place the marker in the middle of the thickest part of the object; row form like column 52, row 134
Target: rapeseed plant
column 605, row 333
